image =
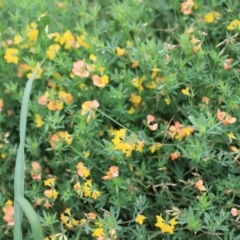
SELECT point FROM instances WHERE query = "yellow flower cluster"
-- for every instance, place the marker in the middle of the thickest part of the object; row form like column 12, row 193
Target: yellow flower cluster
column 166, row 227
column 57, row 103
column 211, row 17
column 52, row 50
column 235, row 24
column 87, row 190
column 101, row 235
column 32, row 32
column 69, row 40
column 138, row 83
column 11, row 55
column 126, row 143
column 51, row 194
column 135, row 99
column 68, row 220
column 179, row 131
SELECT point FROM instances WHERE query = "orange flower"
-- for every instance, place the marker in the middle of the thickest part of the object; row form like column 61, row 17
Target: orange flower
column 205, row 100
column 100, row 81
column 22, row 69
column 36, row 171
column 8, row 215
column 235, row 212
column 47, row 204
column 227, row 63
column 199, row 185
column 38, row 201
column 196, row 48
column 175, row 155
column 8, row 210
column 134, row 64
column 89, row 108
column 1, row 104
column 151, row 118
column 54, row 105
column 80, row 69
column 91, row 216
column 178, row 131
column 186, row 7
column 112, row 173
column 43, row 100
column 82, row 170
column 225, row 118
column 65, row 97
column 55, row 138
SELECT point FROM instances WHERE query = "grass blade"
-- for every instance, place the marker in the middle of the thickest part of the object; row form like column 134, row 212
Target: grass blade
column 32, row 217
column 20, row 161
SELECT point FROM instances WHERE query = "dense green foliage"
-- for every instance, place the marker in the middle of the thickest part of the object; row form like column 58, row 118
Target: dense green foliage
column 132, row 127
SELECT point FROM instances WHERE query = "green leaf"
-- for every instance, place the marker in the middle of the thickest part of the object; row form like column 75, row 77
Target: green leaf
column 31, row 216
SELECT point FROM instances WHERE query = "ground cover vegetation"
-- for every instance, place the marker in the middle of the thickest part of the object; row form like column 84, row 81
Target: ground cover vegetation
column 133, row 118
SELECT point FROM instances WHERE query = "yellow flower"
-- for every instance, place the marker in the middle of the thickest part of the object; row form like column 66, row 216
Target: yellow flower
column 50, row 182
column 17, row 39
column 52, row 193
column 38, row 120
column 211, row 17
column 131, row 110
column 92, row 57
column 129, row 43
column 120, row 51
column 126, row 143
column 86, row 154
column 135, row 99
column 11, row 55
column 165, row 227
column 52, row 50
column 68, row 39
column 235, row 24
column 98, row 232
column 137, row 82
column 155, row 147
column 95, row 194
column 55, row 36
column 151, row 85
column 32, row 32
column 139, row 219
column 186, row 91
column 231, row 136
column 167, row 100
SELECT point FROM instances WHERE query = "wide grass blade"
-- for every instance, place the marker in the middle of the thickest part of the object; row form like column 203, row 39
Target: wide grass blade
column 32, row 217
column 20, row 163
